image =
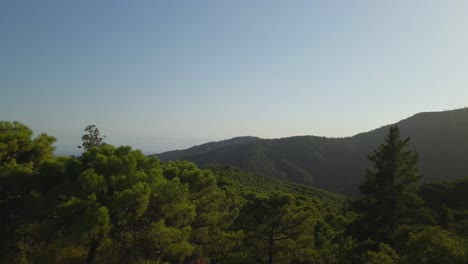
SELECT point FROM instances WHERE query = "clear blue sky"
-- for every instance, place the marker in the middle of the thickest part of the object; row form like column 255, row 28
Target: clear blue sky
column 161, row 75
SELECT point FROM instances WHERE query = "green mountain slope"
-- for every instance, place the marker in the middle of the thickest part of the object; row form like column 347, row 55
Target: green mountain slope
column 339, row 164
column 204, row 148
column 250, row 182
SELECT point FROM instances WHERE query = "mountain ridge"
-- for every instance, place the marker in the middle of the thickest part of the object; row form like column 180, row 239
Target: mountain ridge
column 205, row 147
column 339, row 164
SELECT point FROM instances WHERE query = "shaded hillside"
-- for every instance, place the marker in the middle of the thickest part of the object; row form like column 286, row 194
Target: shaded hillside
column 339, row 164
column 451, row 194
column 440, row 138
column 204, row 148
column 448, row 202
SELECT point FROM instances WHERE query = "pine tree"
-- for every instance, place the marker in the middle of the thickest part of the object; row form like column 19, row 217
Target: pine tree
column 278, row 228
column 21, row 156
column 92, row 138
column 388, row 199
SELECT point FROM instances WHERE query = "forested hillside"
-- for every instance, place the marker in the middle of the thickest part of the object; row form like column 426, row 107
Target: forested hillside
column 204, row 148
column 338, row 164
column 116, row 205
column 247, row 181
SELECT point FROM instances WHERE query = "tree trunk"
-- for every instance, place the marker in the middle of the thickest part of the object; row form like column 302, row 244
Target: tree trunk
column 270, row 249
column 92, row 250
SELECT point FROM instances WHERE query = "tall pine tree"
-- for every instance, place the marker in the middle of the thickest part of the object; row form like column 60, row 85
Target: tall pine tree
column 388, row 199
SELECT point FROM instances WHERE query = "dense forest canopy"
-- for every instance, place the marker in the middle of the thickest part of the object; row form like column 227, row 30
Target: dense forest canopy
column 113, row 204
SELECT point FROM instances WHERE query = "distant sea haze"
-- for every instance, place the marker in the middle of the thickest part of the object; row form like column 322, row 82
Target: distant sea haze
column 146, row 145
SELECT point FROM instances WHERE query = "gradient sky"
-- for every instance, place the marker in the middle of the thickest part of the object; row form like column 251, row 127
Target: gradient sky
column 161, row 75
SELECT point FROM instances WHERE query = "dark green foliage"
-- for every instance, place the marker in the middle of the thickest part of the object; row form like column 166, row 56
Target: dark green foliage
column 434, row 245
column 116, row 205
column 449, row 202
column 92, row 138
column 327, row 242
column 450, row 194
column 277, row 229
column 384, row 255
column 21, row 156
column 215, row 211
column 17, row 147
column 388, row 194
